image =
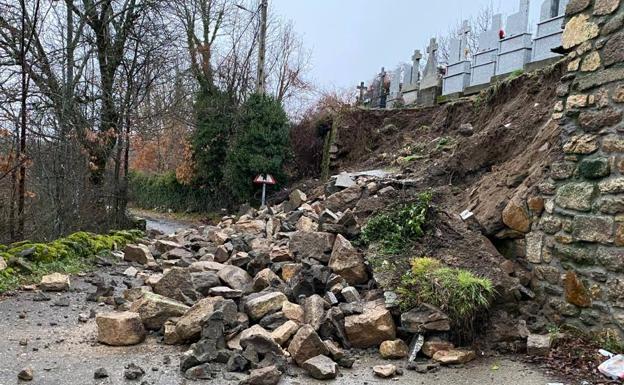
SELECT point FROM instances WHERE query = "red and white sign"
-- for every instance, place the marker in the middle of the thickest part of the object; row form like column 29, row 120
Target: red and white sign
column 268, row 179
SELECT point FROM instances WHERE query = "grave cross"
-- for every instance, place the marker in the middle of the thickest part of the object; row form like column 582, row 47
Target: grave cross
column 464, row 31
column 416, row 58
column 362, row 88
column 433, row 46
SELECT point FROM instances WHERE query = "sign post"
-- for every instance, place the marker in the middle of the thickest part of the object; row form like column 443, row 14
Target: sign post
column 264, row 181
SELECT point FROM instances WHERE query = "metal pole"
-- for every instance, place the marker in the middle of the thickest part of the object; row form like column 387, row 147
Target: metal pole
column 263, row 194
column 260, row 81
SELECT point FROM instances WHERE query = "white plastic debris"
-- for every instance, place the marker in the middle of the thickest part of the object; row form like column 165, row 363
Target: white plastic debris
column 613, row 367
column 466, row 214
column 507, row 125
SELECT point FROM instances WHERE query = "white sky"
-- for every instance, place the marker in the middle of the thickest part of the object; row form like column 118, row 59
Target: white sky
column 352, row 39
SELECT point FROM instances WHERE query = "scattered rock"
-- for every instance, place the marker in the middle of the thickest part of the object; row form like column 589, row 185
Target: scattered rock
column 282, row 334
column 347, row 262
column 155, row 309
column 454, row 357
column 385, row 371
column 425, row 318
column 396, row 349
column 133, row 372
column 263, row 376
column 260, row 306
column 235, row 277
column 306, row 344
column 138, row 253
column 369, row 329
column 321, row 367
column 120, row 329
column 100, row 373
column 432, row 346
column 539, row 345
column 26, row 374
column 189, row 326
column 54, row 282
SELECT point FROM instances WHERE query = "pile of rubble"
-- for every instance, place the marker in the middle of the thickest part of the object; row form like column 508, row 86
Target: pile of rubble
column 270, row 289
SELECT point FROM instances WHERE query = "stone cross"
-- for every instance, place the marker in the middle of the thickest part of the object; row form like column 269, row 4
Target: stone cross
column 464, row 31
column 432, row 61
column 361, row 88
column 416, row 66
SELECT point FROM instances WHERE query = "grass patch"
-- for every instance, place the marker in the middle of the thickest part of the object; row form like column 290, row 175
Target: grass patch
column 394, row 231
column 464, row 297
column 76, row 253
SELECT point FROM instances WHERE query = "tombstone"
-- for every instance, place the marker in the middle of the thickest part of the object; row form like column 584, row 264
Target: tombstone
column 549, row 29
column 484, row 60
column 362, row 88
column 457, row 76
column 516, row 47
column 378, row 92
column 410, row 88
column 431, row 83
column 395, row 88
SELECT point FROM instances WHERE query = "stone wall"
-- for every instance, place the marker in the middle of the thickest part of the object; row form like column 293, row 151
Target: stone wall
column 576, row 246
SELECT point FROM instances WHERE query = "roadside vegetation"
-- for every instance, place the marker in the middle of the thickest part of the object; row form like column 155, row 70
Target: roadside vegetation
column 27, row 262
column 464, row 297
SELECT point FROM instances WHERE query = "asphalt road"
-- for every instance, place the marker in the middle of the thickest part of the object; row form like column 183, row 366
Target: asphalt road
column 63, row 351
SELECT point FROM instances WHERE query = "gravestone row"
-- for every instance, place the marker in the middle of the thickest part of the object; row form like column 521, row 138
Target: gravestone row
column 502, row 49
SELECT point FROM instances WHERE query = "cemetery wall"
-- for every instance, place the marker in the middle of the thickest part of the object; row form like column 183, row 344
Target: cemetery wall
column 574, row 222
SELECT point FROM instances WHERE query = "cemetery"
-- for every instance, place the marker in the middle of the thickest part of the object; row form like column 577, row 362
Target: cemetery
column 506, row 48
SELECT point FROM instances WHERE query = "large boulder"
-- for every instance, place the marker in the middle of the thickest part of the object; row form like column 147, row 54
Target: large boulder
column 163, row 245
column 54, row 282
column 177, row 283
column 120, row 329
column 393, row 350
column 155, row 309
column 189, row 326
column 306, row 344
column 203, row 281
column 138, row 253
column 315, row 245
column 369, row 329
column 321, row 367
column 265, row 304
column 236, row 278
column 347, row 262
column 345, row 199
column 425, row 318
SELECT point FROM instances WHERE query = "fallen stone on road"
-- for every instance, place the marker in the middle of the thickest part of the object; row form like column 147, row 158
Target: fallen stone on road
column 54, row 282
column 120, row 329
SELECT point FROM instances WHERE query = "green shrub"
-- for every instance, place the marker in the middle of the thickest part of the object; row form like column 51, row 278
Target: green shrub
column 394, row 231
column 72, row 254
column 464, row 297
column 260, row 146
column 166, row 193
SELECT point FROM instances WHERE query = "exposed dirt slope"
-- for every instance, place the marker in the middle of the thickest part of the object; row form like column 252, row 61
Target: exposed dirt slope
column 510, row 146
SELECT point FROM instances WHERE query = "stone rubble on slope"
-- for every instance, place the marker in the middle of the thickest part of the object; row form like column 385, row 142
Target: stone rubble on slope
column 272, row 288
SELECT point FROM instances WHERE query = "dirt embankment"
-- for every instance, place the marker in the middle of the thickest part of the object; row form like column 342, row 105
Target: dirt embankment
column 475, row 154
column 480, row 151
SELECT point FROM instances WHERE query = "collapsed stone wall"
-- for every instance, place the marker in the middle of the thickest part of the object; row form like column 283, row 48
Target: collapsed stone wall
column 576, row 247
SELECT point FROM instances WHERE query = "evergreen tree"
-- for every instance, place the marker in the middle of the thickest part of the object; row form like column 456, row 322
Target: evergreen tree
column 260, row 145
column 214, row 116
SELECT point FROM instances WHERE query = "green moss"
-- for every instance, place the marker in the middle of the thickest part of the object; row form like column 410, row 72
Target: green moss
column 463, row 296
column 71, row 255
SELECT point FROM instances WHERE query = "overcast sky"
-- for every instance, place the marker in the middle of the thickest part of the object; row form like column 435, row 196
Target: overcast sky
column 352, row 39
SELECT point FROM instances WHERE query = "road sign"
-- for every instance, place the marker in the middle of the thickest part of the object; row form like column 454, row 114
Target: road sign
column 264, row 181
column 268, row 179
